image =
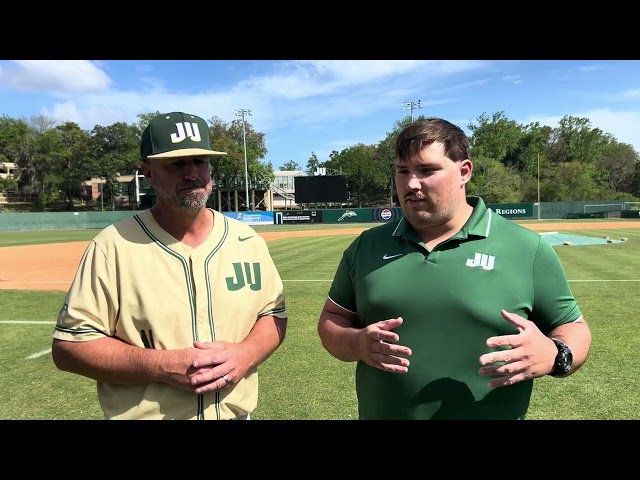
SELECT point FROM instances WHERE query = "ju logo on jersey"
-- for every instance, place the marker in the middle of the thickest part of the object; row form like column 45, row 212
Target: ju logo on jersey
column 185, row 130
column 482, row 260
column 245, row 273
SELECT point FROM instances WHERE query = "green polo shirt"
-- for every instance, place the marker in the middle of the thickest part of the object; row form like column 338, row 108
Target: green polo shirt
column 450, row 299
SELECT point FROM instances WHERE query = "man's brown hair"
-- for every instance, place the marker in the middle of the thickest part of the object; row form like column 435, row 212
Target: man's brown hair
column 422, row 133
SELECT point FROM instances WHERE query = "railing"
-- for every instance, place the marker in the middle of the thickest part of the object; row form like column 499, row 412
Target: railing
column 16, row 197
column 283, row 193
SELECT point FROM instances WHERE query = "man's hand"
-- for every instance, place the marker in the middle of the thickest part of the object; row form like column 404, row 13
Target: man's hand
column 375, row 349
column 531, row 355
column 179, row 367
column 221, row 366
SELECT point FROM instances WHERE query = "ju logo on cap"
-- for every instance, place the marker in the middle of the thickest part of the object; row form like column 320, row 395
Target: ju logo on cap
column 176, row 134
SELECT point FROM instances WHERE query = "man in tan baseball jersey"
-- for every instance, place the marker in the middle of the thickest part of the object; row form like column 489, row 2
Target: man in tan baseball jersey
column 172, row 310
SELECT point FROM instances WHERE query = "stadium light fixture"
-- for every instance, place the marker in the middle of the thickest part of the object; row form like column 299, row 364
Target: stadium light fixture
column 411, row 106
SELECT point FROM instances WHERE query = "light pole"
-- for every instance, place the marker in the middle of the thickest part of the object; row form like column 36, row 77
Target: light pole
column 241, row 113
column 411, row 106
column 538, row 185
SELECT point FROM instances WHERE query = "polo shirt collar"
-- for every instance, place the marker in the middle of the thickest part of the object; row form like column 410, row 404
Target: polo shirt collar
column 478, row 224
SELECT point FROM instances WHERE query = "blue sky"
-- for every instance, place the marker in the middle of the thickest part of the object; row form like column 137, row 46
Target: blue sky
column 317, row 106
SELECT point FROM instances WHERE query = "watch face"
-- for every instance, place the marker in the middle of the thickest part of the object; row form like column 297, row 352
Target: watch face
column 564, row 359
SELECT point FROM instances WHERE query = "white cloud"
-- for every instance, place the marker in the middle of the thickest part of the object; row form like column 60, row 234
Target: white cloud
column 515, row 79
column 315, row 95
column 64, row 76
column 308, row 78
column 323, row 90
column 590, row 68
column 633, row 94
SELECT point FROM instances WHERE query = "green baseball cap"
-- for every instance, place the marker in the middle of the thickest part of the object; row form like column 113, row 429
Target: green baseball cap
column 174, row 135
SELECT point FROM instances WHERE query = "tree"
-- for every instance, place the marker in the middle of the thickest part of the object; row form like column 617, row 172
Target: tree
column 312, row 164
column 144, row 119
column 494, row 182
column 19, row 142
column 568, row 181
column 41, row 123
column 619, row 162
column 290, row 165
column 367, row 175
column 575, row 141
column 228, row 170
column 497, row 138
column 532, row 149
column 71, row 161
column 116, row 151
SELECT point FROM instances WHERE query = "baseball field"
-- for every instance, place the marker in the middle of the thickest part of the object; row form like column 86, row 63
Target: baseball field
column 301, row 380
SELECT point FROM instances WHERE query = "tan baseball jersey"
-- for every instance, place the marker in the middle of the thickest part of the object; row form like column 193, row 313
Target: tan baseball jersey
column 137, row 283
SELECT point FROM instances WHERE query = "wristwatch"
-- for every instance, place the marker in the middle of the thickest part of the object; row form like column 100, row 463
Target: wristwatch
column 563, row 361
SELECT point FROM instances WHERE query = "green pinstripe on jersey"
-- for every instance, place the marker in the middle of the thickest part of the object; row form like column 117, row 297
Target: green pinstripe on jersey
column 450, row 299
column 137, row 283
column 208, row 279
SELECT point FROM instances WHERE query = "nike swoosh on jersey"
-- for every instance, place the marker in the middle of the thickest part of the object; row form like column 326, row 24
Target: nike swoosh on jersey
column 242, row 239
column 388, row 257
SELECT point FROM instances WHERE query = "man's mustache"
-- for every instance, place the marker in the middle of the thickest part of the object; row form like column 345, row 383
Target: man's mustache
column 191, row 185
column 411, row 196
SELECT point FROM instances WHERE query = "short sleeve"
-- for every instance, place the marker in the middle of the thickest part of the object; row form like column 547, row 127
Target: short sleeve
column 554, row 303
column 342, row 290
column 89, row 311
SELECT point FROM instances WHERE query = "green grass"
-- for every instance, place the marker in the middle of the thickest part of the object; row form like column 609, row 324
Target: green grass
column 36, row 237
column 302, row 381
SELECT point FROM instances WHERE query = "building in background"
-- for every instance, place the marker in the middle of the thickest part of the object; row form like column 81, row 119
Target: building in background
column 283, row 189
column 9, row 170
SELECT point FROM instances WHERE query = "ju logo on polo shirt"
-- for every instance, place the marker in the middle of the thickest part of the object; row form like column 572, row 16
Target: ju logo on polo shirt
column 482, row 260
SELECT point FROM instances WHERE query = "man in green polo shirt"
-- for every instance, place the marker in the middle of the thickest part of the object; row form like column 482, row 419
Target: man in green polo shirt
column 452, row 310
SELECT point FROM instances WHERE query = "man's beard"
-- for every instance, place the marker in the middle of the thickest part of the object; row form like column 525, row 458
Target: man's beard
column 193, row 201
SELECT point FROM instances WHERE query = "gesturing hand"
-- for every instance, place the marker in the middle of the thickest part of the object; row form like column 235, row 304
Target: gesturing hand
column 375, row 349
column 531, row 354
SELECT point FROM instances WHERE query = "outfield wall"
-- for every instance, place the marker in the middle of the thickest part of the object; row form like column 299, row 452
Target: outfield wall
column 60, row 220
column 514, row 211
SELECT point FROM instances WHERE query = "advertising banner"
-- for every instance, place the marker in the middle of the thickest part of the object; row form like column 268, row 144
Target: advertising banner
column 252, row 218
column 298, row 216
column 512, row 210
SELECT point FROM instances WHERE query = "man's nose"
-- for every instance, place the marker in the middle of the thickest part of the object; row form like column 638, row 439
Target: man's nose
column 413, row 183
column 191, row 170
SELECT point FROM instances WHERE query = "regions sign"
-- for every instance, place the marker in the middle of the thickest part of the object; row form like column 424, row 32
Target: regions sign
column 512, row 210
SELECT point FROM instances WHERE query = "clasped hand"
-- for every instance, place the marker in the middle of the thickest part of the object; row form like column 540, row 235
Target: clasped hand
column 207, row 367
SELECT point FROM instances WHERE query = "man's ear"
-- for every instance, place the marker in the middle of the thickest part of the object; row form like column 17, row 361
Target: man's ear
column 466, row 169
column 146, row 171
